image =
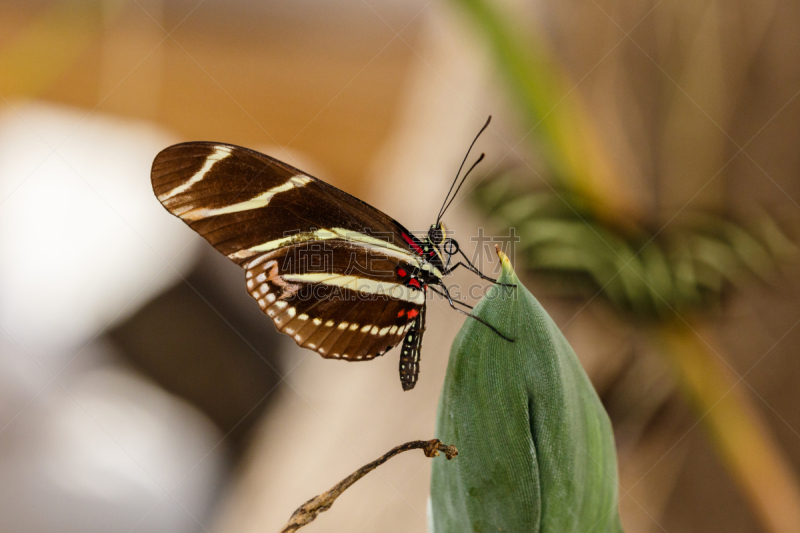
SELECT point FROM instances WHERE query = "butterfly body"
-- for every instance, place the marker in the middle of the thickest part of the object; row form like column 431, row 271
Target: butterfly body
column 337, row 275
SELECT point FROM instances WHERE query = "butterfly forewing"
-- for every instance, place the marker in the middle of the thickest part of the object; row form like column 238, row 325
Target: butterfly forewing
column 321, row 263
column 239, row 199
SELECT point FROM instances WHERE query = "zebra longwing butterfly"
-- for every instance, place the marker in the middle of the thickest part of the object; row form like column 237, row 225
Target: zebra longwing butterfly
column 336, row 274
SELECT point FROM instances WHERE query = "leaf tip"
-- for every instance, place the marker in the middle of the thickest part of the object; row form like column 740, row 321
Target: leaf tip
column 505, row 263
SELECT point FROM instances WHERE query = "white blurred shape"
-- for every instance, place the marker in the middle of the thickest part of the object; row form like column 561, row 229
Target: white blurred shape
column 102, row 453
column 141, row 419
column 81, row 234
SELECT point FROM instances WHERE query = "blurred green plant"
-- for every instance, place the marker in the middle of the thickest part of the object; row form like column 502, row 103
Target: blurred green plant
column 536, row 449
column 583, row 231
column 648, row 274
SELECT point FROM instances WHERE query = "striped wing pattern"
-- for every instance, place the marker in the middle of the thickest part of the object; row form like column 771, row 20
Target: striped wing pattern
column 320, row 263
column 221, row 191
column 332, row 316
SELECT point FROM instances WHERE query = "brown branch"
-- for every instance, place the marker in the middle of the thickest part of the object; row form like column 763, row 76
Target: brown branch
column 308, row 511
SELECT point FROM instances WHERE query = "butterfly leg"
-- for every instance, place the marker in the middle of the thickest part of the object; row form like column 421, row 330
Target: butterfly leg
column 491, row 327
column 454, row 301
column 452, row 248
column 472, row 268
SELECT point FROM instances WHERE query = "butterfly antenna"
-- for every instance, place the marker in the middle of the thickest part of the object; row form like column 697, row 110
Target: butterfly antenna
column 441, row 211
column 475, row 164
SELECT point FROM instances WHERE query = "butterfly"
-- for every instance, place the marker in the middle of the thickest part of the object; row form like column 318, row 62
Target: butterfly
column 336, row 274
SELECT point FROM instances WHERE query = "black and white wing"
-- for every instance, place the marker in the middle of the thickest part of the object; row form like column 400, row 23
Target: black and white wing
column 330, row 270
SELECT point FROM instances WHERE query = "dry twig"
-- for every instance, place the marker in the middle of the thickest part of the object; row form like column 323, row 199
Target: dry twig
column 308, row 511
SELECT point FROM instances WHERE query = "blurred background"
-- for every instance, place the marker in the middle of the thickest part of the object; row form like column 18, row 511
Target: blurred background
column 644, row 153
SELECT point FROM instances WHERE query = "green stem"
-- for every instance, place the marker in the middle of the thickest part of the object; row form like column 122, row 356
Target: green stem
column 553, row 113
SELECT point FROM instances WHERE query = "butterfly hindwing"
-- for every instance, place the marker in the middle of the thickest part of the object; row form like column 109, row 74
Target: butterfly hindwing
column 340, row 314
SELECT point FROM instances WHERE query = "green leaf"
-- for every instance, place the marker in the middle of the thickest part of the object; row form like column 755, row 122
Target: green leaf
column 536, row 449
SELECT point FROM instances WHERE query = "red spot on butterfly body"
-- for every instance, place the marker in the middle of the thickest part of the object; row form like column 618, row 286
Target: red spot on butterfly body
column 402, row 273
column 412, row 243
column 401, row 313
column 414, row 283
column 412, row 313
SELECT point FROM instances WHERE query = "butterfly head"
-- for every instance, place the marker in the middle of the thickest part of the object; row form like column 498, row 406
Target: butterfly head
column 437, row 234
